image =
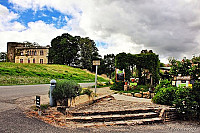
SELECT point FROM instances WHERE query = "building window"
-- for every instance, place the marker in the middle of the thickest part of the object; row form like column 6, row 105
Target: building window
column 32, row 52
column 35, row 53
column 27, row 52
column 34, row 60
column 21, row 60
column 29, row 60
column 41, row 61
column 41, row 52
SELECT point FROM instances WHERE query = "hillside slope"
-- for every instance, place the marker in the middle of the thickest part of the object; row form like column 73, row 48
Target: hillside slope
column 14, row 73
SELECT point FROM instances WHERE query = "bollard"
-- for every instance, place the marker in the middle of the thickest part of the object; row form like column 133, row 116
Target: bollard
column 51, row 99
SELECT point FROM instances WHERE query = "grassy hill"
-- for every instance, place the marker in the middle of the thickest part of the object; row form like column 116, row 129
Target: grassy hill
column 15, row 74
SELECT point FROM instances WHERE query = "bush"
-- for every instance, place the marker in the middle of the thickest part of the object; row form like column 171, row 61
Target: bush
column 185, row 103
column 65, row 90
column 185, row 100
column 165, row 96
column 118, row 86
column 163, row 84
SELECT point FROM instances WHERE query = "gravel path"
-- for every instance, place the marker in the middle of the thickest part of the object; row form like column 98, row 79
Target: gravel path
column 113, row 104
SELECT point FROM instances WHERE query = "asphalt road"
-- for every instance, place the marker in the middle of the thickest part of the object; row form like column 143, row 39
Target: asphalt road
column 10, row 93
column 13, row 120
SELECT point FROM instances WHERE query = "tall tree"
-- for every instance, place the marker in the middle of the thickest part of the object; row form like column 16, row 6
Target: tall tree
column 109, row 61
column 88, row 52
column 64, row 50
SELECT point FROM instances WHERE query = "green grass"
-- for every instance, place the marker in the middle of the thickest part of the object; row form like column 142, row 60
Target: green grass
column 17, row 74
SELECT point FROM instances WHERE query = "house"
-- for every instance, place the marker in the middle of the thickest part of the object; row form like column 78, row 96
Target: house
column 27, row 52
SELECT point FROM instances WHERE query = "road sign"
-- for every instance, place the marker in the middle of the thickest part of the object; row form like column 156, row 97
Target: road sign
column 96, row 62
column 38, row 101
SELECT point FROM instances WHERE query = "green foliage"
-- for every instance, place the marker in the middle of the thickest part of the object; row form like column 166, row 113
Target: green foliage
column 184, row 68
column 65, row 90
column 165, row 96
column 142, row 88
column 73, row 51
column 107, row 65
column 185, row 100
column 142, row 61
column 185, row 103
column 163, row 84
column 14, row 73
column 118, row 86
column 88, row 52
column 64, row 50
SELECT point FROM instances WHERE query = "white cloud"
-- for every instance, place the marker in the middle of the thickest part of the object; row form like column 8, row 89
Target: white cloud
column 7, row 20
column 170, row 28
column 35, row 32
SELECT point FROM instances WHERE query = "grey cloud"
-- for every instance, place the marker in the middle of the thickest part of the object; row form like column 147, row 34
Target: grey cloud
column 165, row 26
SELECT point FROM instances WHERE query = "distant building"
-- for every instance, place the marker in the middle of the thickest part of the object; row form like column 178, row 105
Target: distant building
column 27, row 53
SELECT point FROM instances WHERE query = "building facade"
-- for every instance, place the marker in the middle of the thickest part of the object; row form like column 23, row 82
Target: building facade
column 27, row 53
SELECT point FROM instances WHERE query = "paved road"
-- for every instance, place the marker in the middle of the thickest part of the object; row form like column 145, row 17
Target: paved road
column 10, row 93
column 13, row 120
column 17, row 91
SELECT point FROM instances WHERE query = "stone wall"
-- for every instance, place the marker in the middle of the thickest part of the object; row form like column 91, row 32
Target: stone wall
column 11, row 50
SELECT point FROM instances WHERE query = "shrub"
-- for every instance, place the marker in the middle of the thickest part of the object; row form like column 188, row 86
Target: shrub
column 165, row 96
column 185, row 103
column 118, row 86
column 163, row 84
column 65, row 90
column 185, row 100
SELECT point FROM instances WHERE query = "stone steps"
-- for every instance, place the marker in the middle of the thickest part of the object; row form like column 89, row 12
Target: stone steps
column 112, row 112
column 109, row 118
column 124, row 123
column 114, row 117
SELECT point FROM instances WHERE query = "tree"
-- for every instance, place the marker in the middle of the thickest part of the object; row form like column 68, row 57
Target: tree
column 109, row 61
column 64, row 50
column 3, row 56
column 145, row 60
column 88, row 52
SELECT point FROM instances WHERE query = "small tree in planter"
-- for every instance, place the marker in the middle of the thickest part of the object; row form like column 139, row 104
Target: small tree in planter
column 65, row 90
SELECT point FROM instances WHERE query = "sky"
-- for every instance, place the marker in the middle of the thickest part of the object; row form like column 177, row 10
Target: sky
column 171, row 28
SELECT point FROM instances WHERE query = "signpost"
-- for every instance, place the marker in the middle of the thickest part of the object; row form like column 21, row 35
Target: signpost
column 96, row 63
column 38, row 104
column 120, row 75
column 38, row 101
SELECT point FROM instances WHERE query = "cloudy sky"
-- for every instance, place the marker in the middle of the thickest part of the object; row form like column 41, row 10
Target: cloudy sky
column 171, row 28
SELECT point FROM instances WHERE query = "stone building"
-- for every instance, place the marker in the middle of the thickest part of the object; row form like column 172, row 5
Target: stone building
column 27, row 53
